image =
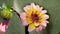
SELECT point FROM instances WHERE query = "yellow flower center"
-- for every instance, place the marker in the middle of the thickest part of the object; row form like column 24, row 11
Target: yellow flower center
column 35, row 17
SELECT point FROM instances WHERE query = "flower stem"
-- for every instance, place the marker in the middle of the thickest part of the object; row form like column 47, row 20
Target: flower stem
column 26, row 27
column 26, row 30
column 16, row 12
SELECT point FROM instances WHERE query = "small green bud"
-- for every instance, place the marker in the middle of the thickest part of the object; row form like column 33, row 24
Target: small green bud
column 6, row 13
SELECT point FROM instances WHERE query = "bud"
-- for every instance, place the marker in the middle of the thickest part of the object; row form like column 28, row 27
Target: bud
column 6, row 13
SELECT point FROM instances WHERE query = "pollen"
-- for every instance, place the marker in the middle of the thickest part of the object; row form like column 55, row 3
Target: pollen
column 35, row 17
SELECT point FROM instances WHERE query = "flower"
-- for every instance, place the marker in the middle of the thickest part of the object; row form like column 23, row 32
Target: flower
column 35, row 17
column 6, row 11
column 4, row 26
column 6, row 14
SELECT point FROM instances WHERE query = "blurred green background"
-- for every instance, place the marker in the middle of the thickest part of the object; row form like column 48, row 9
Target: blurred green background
column 53, row 7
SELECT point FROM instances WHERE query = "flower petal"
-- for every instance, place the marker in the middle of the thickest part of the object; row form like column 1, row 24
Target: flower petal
column 39, row 8
column 23, row 19
column 27, row 8
column 33, row 5
column 2, row 28
column 46, row 21
column 31, row 27
column 23, row 15
column 44, row 25
column 4, row 25
column 46, row 16
column 44, row 11
column 36, row 24
column 39, row 29
column 24, row 22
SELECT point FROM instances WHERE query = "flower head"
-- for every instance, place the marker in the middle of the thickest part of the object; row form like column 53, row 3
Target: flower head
column 4, row 25
column 35, row 17
column 6, row 11
column 6, row 14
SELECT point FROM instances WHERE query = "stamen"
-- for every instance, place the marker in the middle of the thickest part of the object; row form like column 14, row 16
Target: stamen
column 35, row 17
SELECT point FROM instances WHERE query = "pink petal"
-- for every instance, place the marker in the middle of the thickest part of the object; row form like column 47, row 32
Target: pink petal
column 4, row 25
column 33, row 5
column 23, row 19
column 44, row 11
column 44, row 25
column 46, row 21
column 39, row 8
column 46, row 16
column 39, row 29
column 27, row 8
column 24, row 23
column 2, row 28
